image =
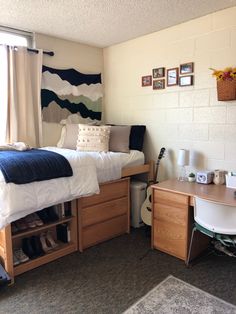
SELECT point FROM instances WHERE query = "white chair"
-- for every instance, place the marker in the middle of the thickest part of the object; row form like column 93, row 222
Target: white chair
column 215, row 220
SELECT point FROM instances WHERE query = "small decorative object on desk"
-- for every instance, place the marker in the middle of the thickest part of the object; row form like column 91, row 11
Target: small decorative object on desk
column 183, row 160
column 231, row 180
column 219, row 177
column 226, row 83
column 205, row 177
column 191, row 177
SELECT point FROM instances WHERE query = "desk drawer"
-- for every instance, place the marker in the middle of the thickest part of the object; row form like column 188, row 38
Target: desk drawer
column 172, row 199
column 170, row 214
column 170, row 238
column 108, row 191
column 98, row 213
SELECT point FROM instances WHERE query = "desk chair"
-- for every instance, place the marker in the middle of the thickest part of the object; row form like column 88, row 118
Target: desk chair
column 215, row 220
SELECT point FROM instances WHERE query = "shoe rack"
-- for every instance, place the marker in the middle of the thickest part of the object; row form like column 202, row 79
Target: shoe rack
column 9, row 241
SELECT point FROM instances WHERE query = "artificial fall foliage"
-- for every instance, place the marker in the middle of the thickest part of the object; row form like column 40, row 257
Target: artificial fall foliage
column 228, row 74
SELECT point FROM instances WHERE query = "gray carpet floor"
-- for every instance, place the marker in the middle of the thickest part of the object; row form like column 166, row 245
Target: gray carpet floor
column 110, row 277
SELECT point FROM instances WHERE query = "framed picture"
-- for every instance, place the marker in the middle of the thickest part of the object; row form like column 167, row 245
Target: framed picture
column 186, row 68
column 186, row 80
column 172, row 76
column 158, row 84
column 159, row 72
column 147, row 80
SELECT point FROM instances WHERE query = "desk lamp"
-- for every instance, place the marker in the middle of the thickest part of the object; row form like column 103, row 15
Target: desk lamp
column 183, row 160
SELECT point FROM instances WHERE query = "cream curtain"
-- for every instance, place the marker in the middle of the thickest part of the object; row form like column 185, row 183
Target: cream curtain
column 24, row 122
column 3, row 93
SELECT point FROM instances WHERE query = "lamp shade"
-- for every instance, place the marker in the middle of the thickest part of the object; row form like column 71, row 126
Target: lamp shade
column 183, row 157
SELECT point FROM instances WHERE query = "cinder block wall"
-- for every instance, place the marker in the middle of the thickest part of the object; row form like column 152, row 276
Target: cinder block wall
column 177, row 117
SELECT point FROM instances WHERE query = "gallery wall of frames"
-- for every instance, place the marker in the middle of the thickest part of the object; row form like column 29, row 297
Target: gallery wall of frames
column 162, row 77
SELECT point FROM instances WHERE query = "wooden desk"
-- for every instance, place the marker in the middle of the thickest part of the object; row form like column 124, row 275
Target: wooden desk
column 172, row 217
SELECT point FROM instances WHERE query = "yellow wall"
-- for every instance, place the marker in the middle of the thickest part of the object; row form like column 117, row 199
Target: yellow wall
column 177, row 117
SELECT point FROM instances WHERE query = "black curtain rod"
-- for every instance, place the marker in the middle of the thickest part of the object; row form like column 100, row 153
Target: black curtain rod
column 49, row 53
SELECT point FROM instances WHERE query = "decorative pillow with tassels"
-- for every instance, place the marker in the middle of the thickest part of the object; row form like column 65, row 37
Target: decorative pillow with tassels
column 93, row 138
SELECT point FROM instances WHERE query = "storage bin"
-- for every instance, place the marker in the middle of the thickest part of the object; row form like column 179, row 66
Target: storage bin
column 230, row 181
column 226, row 90
column 138, row 194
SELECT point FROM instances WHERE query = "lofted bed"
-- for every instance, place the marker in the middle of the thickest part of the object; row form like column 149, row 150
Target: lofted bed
column 94, row 218
column 102, row 160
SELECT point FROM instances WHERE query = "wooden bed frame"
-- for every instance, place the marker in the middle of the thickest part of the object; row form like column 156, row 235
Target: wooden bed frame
column 94, row 219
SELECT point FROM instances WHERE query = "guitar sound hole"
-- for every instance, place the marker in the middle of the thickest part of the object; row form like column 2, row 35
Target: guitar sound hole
column 150, row 198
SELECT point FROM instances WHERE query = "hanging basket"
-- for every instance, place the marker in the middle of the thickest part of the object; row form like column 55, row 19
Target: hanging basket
column 226, row 90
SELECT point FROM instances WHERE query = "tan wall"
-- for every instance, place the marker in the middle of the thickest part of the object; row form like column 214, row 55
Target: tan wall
column 177, row 117
column 69, row 54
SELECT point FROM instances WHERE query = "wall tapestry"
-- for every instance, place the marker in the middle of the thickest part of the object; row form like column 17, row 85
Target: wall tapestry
column 69, row 93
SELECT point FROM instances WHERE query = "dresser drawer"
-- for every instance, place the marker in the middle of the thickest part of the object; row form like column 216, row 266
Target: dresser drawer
column 104, row 211
column 172, row 199
column 108, row 191
column 105, row 230
column 170, row 214
column 170, row 238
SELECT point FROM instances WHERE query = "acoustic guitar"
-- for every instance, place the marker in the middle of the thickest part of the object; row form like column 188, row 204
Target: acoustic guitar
column 146, row 209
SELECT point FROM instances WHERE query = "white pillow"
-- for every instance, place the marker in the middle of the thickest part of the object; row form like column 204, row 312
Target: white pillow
column 51, row 133
column 93, row 138
column 69, row 136
column 60, row 143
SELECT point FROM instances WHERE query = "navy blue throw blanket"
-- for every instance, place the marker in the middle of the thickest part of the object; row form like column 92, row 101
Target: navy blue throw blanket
column 22, row 167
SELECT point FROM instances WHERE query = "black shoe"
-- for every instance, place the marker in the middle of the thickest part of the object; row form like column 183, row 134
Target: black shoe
column 27, row 248
column 36, row 246
column 44, row 216
column 51, row 214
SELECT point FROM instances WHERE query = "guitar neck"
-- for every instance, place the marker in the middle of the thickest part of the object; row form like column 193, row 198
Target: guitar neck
column 161, row 155
column 156, row 172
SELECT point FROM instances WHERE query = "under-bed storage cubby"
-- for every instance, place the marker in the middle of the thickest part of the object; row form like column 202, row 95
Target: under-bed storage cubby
column 59, row 238
column 105, row 215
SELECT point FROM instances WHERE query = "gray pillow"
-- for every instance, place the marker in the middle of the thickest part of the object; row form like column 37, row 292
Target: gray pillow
column 119, row 139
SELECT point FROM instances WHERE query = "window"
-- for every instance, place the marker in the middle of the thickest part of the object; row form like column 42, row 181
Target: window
column 14, row 37
column 11, row 37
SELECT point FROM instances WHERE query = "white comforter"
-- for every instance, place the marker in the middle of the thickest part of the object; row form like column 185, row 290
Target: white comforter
column 89, row 169
column 17, row 201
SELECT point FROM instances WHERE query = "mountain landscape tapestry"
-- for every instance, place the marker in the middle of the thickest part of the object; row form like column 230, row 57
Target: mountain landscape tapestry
column 68, row 92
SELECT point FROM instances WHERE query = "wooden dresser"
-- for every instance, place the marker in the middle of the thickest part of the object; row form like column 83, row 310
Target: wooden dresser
column 105, row 215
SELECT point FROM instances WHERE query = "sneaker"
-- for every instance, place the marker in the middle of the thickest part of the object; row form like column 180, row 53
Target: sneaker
column 20, row 225
column 15, row 260
column 21, row 256
column 29, row 220
column 37, row 220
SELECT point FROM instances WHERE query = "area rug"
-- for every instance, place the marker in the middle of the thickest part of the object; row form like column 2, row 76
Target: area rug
column 176, row 296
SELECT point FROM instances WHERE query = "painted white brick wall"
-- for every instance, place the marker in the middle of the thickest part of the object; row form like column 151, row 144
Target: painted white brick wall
column 177, row 117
